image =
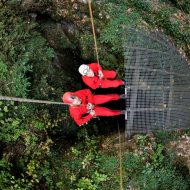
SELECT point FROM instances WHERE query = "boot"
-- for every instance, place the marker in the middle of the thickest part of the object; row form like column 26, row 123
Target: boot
column 122, row 112
column 123, row 96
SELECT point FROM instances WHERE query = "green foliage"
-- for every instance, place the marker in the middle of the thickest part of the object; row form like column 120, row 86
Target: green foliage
column 3, row 77
column 81, row 166
column 162, row 14
column 85, row 184
column 4, row 173
column 112, row 33
column 24, row 56
column 183, row 5
column 110, row 37
column 11, row 124
column 23, row 50
column 11, row 130
column 29, row 179
column 163, row 19
column 30, row 151
column 13, row 80
column 163, row 178
column 150, row 168
column 19, row 83
column 26, row 70
column 141, row 5
column 87, row 44
column 3, row 69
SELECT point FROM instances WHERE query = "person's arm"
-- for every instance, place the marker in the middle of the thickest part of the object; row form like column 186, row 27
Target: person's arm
column 95, row 67
column 100, row 74
column 89, row 96
column 98, row 69
column 92, row 82
column 81, row 120
column 89, row 106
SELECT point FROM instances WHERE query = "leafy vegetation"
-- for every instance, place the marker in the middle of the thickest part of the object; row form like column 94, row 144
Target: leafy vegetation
column 25, row 63
column 39, row 148
column 153, row 168
column 164, row 16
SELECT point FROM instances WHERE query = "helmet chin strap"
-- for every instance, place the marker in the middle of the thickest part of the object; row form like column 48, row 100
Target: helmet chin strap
column 91, row 72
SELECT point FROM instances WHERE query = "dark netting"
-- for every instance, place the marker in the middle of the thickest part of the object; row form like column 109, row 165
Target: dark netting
column 157, row 84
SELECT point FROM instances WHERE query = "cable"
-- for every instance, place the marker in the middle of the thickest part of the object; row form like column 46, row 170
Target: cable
column 8, row 98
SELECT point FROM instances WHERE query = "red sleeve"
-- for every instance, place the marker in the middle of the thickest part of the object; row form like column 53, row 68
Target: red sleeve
column 82, row 120
column 89, row 95
column 92, row 82
column 95, row 67
column 79, row 119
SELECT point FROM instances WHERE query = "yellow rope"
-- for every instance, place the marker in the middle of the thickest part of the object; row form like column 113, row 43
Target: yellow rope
column 120, row 161
column 93, row 30
column 97, row 57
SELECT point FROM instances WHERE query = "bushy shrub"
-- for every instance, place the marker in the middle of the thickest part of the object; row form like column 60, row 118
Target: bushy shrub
column 183, row 5
column 152, row 168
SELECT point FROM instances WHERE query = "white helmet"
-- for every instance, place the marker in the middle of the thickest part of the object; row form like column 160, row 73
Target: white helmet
column 83, row 69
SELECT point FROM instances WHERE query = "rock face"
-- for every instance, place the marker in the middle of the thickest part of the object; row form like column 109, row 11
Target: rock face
column 181, row 148
column 75, row 11
column 64, row 22
column 27, row 3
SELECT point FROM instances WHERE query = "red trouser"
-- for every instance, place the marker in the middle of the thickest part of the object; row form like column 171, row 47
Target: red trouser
column 102, row 111
column 105, row 83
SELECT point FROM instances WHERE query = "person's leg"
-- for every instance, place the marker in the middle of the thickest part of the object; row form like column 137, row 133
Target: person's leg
column 102, row 111
column 111, row 83
column 101, row 99
column 109, row 74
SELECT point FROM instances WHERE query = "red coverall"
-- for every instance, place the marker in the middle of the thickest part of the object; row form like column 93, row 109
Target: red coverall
column 96, row 82
column 81, row 114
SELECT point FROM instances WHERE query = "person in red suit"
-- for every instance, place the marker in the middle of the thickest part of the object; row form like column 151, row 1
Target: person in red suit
column 83, row 105
column 94, row 77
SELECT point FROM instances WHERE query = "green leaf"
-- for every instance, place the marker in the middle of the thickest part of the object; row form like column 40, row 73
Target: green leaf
column 5, row 109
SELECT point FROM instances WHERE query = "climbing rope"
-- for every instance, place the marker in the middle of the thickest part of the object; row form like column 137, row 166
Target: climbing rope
column 97, row 57
column 120, row 160
column 7, row 98
column 94, row 33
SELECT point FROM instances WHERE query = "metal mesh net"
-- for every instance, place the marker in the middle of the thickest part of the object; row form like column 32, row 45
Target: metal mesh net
column 157, row 84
